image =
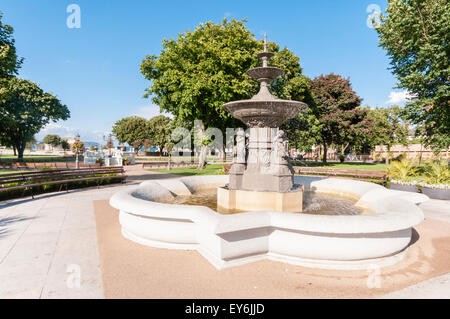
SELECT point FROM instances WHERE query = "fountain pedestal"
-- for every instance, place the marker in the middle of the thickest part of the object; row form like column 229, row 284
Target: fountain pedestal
column 261, row 177
column 243, row 200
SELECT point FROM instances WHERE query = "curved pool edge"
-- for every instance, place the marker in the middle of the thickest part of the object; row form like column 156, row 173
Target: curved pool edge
column 335, row 242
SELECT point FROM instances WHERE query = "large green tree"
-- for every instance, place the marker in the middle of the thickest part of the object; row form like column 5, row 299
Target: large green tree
column 52, row 139
column 336, row 106
column 416, row 36
column 160, row 131
column 195, row 74
column 389, row 128
column 24, row 110
column 133, row 130
column 9, row 61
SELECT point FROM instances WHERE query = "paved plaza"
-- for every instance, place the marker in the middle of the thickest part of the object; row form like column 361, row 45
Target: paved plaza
column 48, row 242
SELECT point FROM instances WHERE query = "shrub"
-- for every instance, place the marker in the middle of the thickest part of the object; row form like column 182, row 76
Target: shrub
column 402, row 170
column 126, row 161
column 437, row 173
column 16, row 193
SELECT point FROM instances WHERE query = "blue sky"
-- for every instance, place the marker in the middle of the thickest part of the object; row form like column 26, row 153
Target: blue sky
column 94, row 69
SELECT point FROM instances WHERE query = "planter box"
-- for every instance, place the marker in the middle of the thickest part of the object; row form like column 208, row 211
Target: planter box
column 436, row 193
column 404, row 188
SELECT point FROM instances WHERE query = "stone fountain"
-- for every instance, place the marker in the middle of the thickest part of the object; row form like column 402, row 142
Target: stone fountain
column 261, row 189
column 261, row 177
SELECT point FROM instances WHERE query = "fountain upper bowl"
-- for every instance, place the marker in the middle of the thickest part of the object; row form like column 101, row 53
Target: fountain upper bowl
column 267, row 72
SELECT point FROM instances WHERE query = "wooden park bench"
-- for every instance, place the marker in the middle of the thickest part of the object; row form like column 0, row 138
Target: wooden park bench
column 62, row 177
column 37, row 165
column 375, row 176
column 163, row 165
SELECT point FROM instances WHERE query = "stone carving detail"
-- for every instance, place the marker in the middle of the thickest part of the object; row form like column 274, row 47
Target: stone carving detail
column 240, row 147
column 281, row 148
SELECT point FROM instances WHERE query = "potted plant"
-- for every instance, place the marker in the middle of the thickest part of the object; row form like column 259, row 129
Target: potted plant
column 401, row 174
column 126, row 161
column 436, row 183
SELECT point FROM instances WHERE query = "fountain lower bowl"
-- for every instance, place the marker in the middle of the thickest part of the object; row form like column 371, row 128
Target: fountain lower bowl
column 264, row 113
column 320, row 241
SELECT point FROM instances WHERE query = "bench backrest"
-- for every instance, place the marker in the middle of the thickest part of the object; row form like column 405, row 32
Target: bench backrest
column 58, row 174
column 339, row 171
column 164, row 164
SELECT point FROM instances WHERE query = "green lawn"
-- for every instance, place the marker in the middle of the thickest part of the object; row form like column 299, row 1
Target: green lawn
column 214, row 169
column 211, row 169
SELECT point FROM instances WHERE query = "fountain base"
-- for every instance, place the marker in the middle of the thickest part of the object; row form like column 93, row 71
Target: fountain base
column 243, row 200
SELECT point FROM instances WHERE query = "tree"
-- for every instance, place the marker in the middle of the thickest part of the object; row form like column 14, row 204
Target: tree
column 24, row 110
column 201, row 70
column 388, row 128
column 31, row 143
column 65, row 145
column 52, row 139
column 77, row 148
column 9, row 62
column 159, row 127
column 416, row 34
column 133, row 130
column 351, row 129
column 303, row 131
column 9, row 65
column 336, row 109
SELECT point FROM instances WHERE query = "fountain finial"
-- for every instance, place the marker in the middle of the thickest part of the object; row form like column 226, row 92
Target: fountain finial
column 265, row 41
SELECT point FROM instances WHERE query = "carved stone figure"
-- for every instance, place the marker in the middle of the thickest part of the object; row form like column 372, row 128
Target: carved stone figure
column 240, row 146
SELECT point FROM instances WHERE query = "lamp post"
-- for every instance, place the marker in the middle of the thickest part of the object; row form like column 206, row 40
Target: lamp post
column 109, row 143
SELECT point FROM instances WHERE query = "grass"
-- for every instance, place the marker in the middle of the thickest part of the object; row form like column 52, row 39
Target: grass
column 36, row 158
column 211, row 169
column 215, row 169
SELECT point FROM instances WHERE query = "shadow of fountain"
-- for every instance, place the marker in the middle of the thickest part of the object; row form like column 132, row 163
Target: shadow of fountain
column 414, row 237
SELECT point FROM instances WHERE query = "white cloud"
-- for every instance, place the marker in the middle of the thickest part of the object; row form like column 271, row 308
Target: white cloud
column 149, row 111
column 67, row 131
column 399, row 97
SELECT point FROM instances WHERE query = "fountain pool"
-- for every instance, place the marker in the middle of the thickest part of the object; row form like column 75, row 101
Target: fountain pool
column 312, row 240
column 313, row 203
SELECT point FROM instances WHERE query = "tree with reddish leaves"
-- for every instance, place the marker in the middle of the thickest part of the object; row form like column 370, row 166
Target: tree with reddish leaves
column 342, row 122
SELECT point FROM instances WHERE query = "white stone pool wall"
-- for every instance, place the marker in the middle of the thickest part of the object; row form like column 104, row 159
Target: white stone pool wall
column 325, row 241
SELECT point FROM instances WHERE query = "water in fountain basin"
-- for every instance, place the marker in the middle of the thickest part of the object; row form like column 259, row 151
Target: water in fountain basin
column 313, row 203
